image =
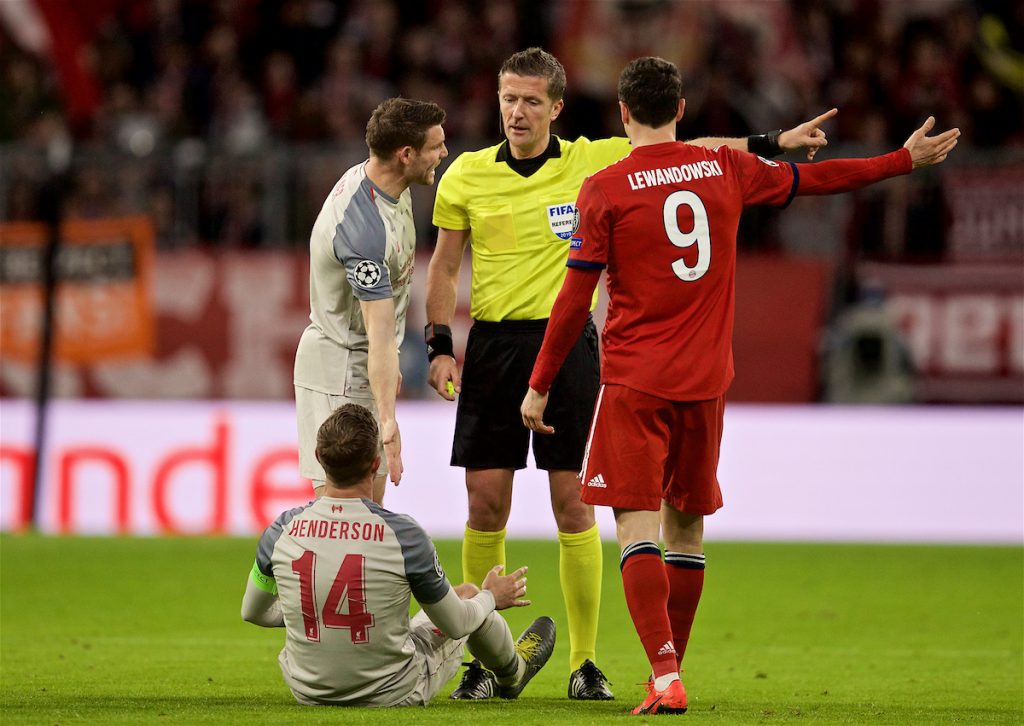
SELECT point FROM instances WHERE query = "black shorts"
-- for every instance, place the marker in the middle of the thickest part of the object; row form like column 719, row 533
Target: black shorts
column 489, row 431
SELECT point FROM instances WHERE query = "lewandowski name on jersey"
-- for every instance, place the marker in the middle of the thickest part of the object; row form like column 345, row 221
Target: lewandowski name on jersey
column 673, row 174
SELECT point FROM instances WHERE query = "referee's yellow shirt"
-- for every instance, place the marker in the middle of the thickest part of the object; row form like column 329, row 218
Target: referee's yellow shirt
column 519, row 226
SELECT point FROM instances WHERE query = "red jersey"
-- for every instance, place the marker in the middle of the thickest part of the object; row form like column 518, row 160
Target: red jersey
column 663, row 221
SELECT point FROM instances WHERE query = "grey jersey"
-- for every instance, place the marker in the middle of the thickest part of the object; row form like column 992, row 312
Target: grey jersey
column 362, row 247
column 345, row 570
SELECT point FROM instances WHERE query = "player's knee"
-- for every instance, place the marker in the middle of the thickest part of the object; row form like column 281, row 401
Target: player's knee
column 574, row 524
column 487, row 514
column 683, row 532
column 573, row 516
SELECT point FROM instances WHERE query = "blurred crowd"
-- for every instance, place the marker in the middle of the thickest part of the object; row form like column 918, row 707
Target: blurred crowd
column 238, row 73
column 216, row 85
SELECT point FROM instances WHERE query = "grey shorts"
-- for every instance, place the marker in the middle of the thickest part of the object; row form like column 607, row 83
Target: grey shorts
column 312, row 408
column 436, row 657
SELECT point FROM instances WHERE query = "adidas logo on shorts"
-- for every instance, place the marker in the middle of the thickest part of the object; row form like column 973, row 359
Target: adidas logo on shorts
column 597, row 482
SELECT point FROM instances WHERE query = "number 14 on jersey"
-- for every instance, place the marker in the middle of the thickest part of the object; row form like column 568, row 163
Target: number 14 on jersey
column 349, row 584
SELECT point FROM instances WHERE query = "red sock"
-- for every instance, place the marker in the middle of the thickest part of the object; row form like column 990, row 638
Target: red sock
column 685, row 584
column 646, row 587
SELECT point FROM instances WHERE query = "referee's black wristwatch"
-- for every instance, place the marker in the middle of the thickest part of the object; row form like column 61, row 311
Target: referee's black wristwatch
column 765, row 145
column 439, row 340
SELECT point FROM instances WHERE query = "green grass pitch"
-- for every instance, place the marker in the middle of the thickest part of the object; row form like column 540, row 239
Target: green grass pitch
column 124, row 631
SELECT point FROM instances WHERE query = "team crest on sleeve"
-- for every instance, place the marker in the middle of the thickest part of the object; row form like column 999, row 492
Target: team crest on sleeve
column 437, row 566
column 366, row 274
column 563, row 219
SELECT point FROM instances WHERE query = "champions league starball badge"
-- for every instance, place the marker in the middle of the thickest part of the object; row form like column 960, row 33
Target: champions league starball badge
column 366, row 274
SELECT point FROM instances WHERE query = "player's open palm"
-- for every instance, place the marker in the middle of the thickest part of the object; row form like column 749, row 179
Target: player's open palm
column 929, row 150
column 508, row 590
column 392, row 440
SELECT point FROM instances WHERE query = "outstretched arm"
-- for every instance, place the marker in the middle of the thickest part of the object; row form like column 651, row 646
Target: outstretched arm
column 808, row 135
column 843, row 175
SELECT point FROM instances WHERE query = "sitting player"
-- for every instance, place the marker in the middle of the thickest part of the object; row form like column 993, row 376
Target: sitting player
column 338, row 574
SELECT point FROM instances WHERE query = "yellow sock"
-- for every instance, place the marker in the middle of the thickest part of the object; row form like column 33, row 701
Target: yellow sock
column 480, row 552
column 579, row 568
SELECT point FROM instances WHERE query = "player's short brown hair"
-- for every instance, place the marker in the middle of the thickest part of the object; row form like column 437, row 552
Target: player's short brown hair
column 651, row 89
column 537, row 62
column 347, row 443
column 399, row 122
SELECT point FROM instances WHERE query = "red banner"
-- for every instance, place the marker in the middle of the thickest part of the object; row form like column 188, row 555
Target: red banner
column 780, row 309
column 987, row 205
column 964, row 327
column 226, row 326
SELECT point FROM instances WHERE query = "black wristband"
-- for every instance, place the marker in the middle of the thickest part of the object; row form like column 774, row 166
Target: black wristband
column 766, row 145
column 439, row 340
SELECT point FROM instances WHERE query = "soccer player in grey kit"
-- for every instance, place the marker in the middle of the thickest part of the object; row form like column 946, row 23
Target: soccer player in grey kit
column 361, row 254
column 338, row 575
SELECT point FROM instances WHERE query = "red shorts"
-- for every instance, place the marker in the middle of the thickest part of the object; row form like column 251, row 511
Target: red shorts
column 644, row 449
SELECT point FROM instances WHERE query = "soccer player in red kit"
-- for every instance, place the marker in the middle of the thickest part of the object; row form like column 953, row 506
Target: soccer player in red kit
column 663, row 222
